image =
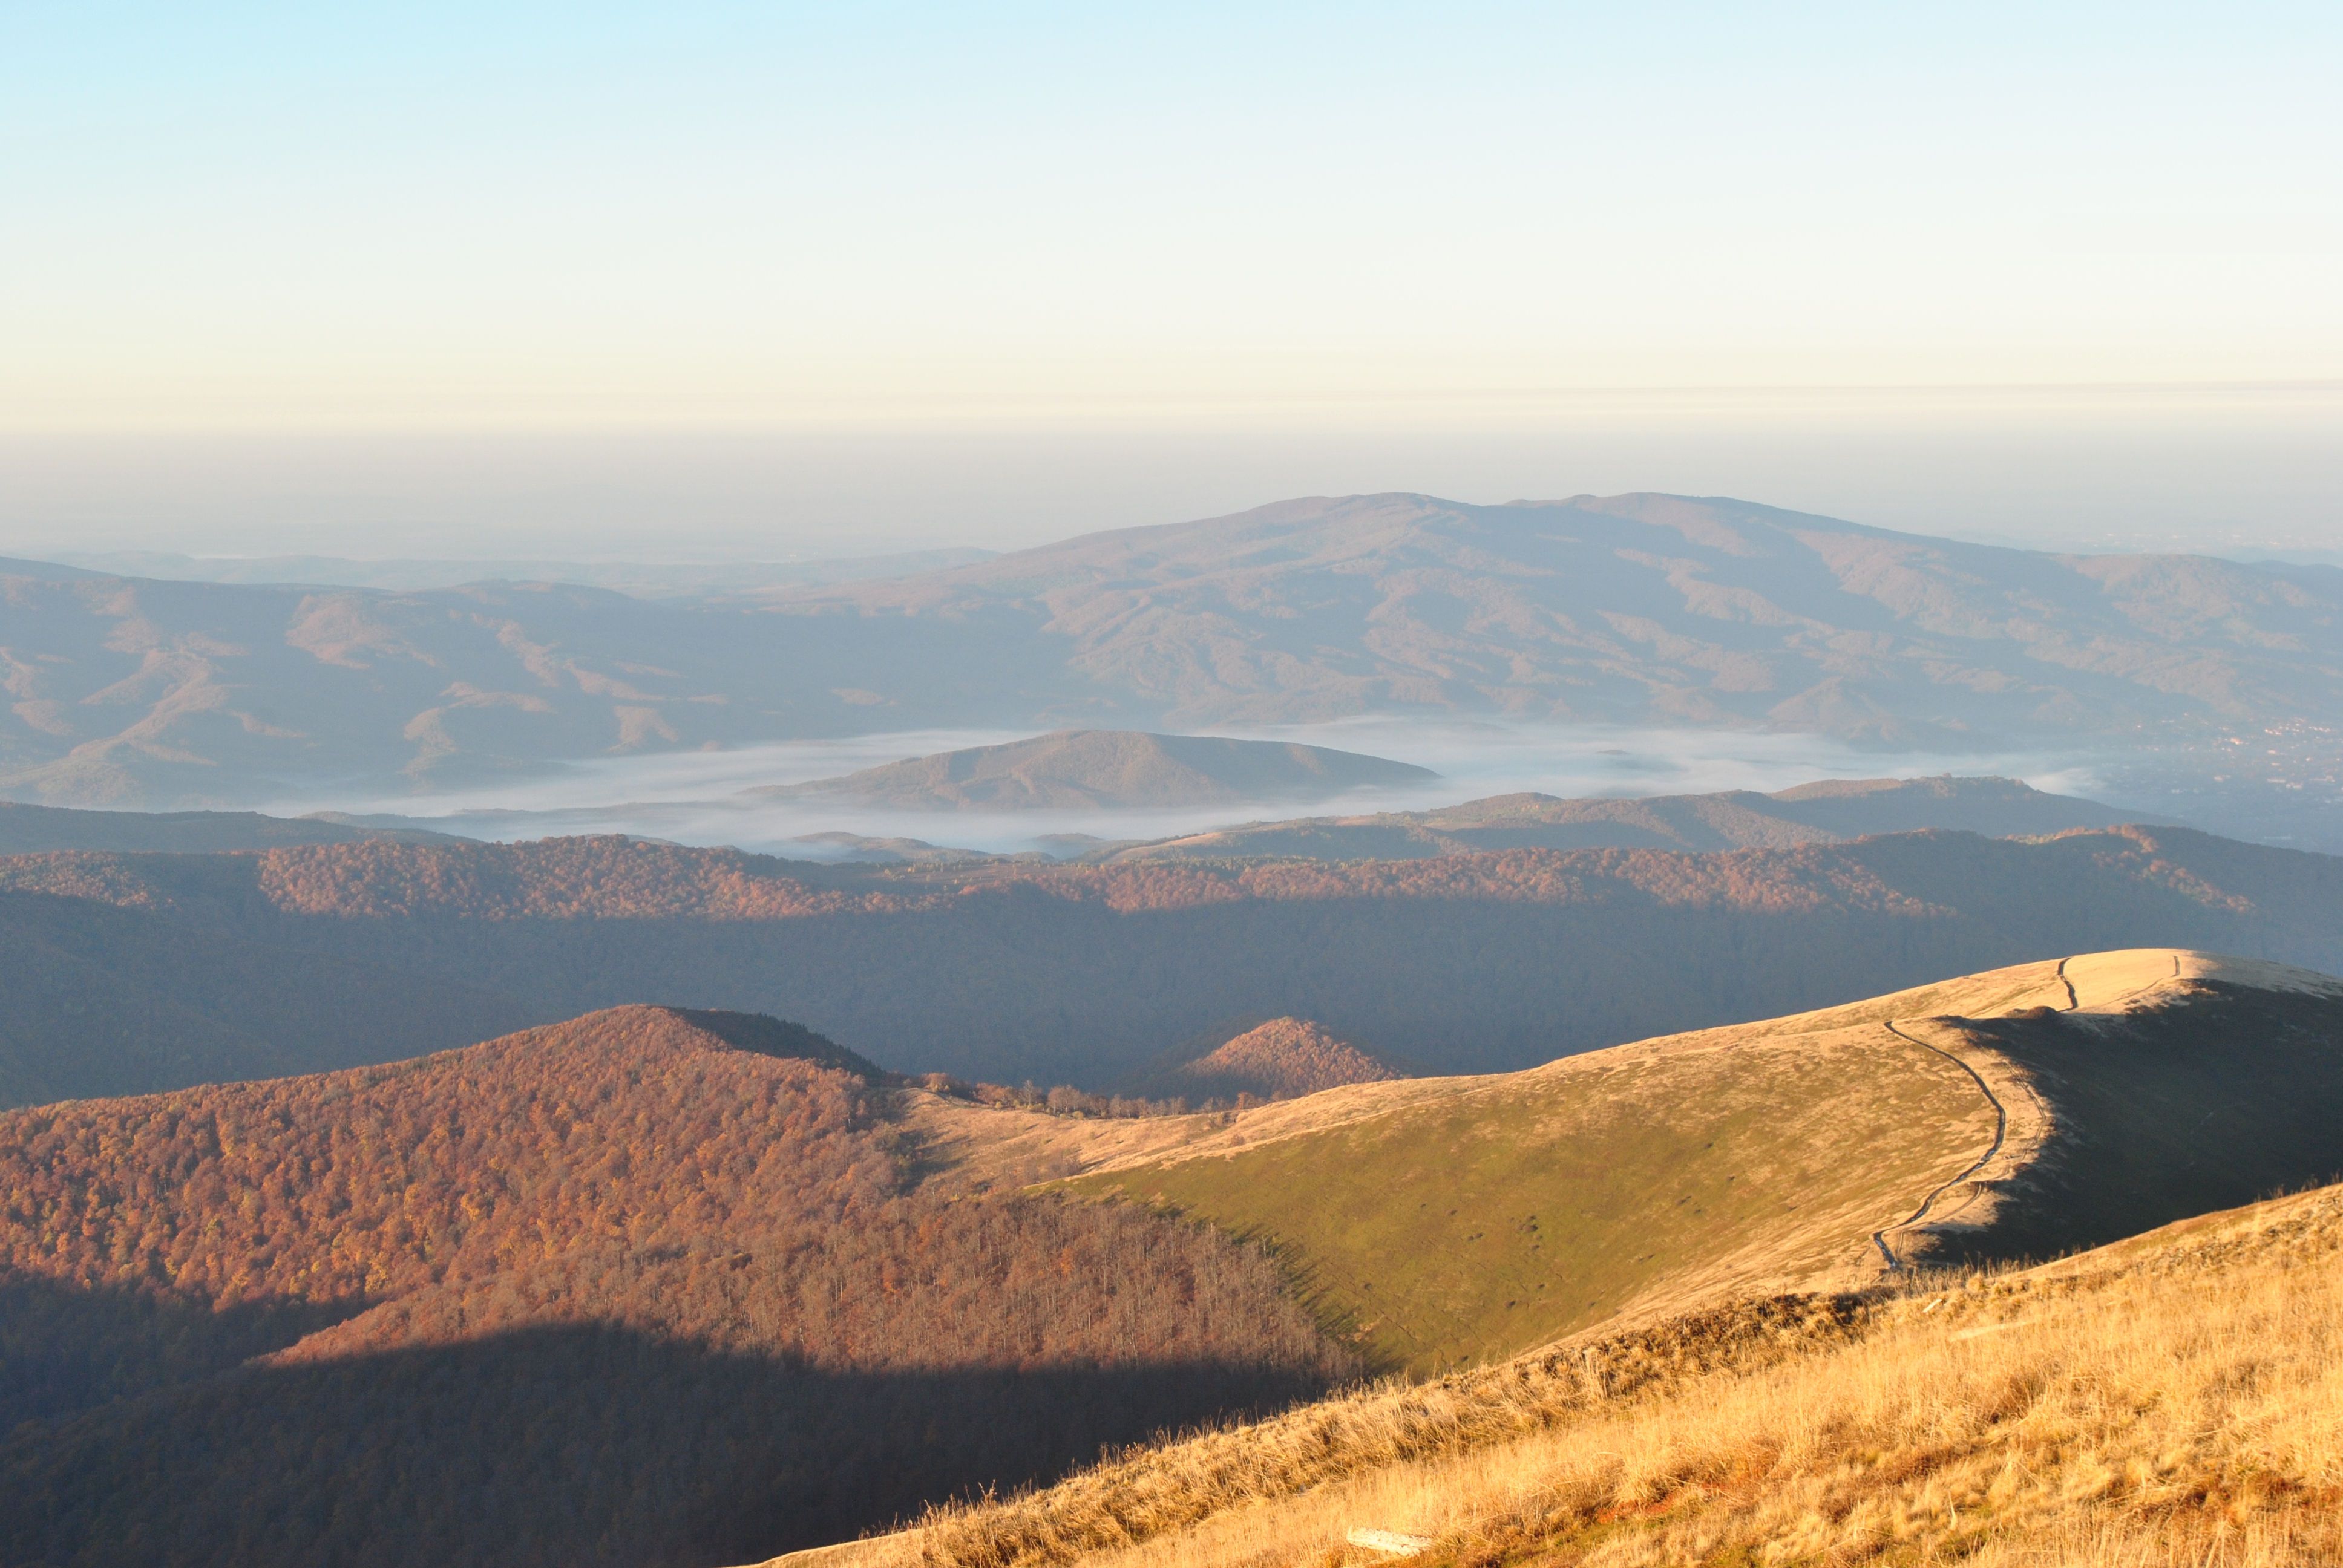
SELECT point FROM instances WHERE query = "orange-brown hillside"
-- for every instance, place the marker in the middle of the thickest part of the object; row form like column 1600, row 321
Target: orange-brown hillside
column 648, row 1286
column 1281, row 1058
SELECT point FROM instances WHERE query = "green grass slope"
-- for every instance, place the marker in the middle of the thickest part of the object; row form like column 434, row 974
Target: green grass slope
column 1446, row 1222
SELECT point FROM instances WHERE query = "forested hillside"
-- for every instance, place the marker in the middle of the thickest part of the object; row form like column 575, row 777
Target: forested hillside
column 1278, row 1060
column 615, row 1290
column 1091, row 975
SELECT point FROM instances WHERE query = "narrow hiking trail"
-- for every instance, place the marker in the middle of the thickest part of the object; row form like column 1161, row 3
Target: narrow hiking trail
column 2000, row 1132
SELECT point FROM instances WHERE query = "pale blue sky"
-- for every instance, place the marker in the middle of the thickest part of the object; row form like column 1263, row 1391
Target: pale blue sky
column 1431, row 221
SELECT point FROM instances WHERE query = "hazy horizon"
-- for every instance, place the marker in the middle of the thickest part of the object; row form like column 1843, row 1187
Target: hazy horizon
column 2214, row 470
column 723, row 283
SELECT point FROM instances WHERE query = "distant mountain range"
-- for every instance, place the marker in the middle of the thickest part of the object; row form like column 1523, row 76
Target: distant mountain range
column 636, row 578
column 1110, row 769
column 1634, row 609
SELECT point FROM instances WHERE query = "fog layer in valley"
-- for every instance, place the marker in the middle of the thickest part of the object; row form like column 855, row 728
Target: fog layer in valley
column 698, row 797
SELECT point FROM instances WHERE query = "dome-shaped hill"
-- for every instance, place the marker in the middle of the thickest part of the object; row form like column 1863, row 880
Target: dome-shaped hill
column 651, row 1285
column 1279, row 1059
column 1107, row 769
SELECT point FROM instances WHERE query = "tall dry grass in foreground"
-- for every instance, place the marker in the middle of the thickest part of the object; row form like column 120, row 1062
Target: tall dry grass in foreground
column 2178, row 1401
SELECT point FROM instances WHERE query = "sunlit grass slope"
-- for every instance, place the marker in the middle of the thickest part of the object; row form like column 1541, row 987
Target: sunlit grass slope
column 2176, row 1399
column 1493, row 1214
column 2030, row 1110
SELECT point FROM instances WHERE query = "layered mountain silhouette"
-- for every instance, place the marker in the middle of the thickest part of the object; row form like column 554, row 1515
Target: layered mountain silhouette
column 1108, row 770
column 1640, row 610
column 1092, row 975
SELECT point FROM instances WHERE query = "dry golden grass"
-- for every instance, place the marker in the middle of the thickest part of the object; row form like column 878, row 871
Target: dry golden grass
column 2174, row 1399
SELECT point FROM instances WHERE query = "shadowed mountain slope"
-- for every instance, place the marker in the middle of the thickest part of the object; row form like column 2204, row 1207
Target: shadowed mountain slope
column 97, row 999
column 613, row 1291
column 2018, row 1113
column 1828, row 812
column 1636, row 609
column 1091, row 975
column 1105, row 770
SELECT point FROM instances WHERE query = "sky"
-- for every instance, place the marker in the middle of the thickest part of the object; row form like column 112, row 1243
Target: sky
column 699, row 281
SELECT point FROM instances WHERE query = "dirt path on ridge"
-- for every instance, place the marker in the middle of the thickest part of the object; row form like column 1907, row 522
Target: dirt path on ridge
column 2000, row 1134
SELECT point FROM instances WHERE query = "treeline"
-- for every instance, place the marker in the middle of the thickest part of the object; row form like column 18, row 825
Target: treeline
column 603, row 1292
column 1065, row 1100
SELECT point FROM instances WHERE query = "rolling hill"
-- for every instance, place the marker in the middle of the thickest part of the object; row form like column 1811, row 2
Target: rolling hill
column 647, row 1287
column 1637, row 609
column 1828, row 812
column 2021, row 1113
column 1109, row 769
column 1092, row 975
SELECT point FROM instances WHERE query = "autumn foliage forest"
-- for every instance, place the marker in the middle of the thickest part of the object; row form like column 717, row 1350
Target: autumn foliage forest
column 648, row 1287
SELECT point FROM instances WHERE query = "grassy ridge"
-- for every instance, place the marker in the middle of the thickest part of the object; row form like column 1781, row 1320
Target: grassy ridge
column 1532, row 1207
column 1438, row 1224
